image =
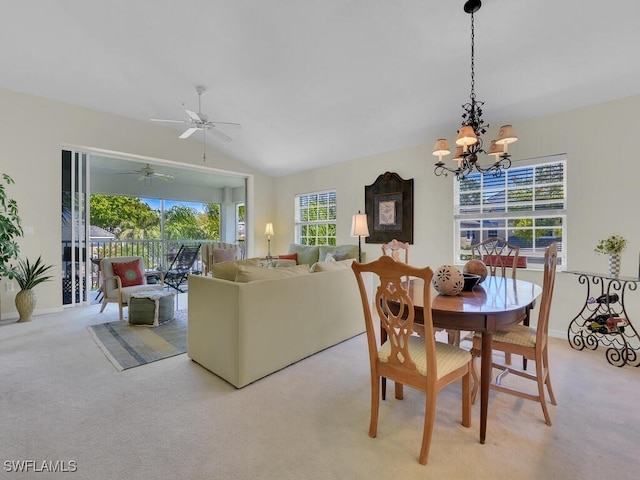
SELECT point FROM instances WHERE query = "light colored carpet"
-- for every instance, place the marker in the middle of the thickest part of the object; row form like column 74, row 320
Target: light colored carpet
column 61, row 400
column 128, row 346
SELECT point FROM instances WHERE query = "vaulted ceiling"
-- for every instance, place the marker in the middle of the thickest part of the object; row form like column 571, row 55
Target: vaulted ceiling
column 320, row 82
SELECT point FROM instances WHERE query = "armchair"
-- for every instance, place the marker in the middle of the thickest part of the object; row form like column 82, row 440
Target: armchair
column 122, row 276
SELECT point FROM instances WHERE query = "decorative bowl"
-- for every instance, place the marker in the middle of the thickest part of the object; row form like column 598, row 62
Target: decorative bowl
column 476, row 267
column 470, row 281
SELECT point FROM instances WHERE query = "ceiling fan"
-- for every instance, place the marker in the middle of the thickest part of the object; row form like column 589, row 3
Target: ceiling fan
column 147, row 172
column 200, row 121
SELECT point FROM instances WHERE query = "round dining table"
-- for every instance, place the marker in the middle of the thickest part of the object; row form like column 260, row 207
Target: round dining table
column 495, row 304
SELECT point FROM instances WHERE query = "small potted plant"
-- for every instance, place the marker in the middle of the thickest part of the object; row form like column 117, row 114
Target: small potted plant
column 28, row 275
column 612, row 246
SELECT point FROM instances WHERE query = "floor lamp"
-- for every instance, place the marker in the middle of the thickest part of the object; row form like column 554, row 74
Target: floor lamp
column 359, row 228
column 268, row 231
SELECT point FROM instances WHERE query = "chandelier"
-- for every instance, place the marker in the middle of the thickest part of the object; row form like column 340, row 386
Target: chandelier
column 469, row 141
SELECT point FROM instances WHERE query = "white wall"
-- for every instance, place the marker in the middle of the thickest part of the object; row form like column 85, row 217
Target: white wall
column 33, row 132
column 603, row 196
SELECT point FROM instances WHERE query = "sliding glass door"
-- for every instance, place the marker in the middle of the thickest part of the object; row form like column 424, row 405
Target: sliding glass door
column 76, row 266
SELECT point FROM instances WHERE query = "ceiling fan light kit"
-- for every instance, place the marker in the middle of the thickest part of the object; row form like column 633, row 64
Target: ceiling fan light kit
column 469, row 139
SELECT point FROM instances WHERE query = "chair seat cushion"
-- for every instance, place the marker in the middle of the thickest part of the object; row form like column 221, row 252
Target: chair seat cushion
column 449, row 357
column 518, row 335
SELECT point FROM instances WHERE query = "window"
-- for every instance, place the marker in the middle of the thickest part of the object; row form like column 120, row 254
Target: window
column 526, row 205
column 315, row 221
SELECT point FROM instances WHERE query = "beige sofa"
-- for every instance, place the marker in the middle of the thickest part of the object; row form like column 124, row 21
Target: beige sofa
column 243, row 331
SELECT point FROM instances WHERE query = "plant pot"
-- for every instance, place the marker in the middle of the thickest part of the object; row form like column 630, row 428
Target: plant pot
column 614, row 265
column 26, row 303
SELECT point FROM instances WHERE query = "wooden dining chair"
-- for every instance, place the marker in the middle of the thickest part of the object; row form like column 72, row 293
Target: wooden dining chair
column 417, row 361
column 498, row 255
column 393, row 249
column 530, row 342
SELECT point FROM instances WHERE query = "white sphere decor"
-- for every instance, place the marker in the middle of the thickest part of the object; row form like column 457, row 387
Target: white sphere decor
column 448, row 280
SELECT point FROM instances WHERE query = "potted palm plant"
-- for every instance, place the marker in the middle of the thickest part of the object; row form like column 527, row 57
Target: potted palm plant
column 28, row 275
column 10, row 229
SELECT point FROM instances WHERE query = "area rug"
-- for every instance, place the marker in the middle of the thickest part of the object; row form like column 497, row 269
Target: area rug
column 128, row 346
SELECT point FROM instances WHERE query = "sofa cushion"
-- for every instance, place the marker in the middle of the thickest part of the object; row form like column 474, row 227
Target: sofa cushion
column 248, row 273
column 350, row 250
column 284, row 263
column 130, row 273
column 227, row 270
column 307, row 254
column 332, row 266
column 223, row 255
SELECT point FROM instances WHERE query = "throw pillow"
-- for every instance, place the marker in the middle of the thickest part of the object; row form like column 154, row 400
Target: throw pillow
column 307, row 254
column 290, row 256
column 223, row 255
column 332, row 266
column 336, row 257
column 130, row 273
column 227, row 270
column 350, row 250
column 248, row 273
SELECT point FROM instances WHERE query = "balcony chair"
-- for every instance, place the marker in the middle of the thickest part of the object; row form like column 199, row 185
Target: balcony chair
column 417, row 361
column 182, row 265
column 122, row 276
column 527, row 341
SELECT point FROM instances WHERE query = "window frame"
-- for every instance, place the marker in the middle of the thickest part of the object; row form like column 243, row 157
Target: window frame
column 506, row 212
column 300, row 224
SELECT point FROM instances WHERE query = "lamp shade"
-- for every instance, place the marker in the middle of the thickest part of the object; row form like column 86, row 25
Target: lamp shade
column 506, row 135
column 441, row 148
column 359, row 227
column 466, row 136
column 268, row 229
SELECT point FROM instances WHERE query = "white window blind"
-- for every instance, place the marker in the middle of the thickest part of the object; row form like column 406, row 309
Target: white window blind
column 526, row 206
column 315, row 220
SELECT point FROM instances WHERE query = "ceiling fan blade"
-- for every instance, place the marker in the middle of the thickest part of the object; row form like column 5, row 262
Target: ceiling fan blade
column 170, row 121
column 188, row 132
column 193, row 115
column 164, row 175
column 220, row 134
column 141, row 178
column 228, row 124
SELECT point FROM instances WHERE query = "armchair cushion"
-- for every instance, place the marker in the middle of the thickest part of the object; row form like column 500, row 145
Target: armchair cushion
column 130, row 273
column 223, row 255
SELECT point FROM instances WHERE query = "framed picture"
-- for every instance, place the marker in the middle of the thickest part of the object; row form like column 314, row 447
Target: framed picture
column 389, row 209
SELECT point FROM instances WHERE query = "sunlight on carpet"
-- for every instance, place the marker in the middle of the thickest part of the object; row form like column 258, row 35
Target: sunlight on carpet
column 128, row 346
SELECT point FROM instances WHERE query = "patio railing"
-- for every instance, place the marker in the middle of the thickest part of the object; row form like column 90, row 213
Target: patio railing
column 157, row 254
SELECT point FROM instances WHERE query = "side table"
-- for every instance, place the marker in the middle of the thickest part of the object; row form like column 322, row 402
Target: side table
column 603, row 319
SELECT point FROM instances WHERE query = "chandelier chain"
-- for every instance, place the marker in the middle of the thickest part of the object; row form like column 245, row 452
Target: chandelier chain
column 473, row 75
